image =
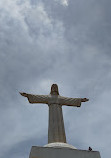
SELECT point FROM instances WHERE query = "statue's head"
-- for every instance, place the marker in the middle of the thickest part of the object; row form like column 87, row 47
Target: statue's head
column 54, row 89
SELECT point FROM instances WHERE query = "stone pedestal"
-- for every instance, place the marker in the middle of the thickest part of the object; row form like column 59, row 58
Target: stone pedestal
column 53, row 152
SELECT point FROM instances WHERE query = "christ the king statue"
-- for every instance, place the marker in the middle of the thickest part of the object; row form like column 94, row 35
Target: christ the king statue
column 56, row 131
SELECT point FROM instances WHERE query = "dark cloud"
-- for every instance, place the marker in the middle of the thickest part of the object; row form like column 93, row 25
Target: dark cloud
column 63, row 42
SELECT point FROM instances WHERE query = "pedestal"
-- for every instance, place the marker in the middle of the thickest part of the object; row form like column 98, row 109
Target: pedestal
column 52, row 152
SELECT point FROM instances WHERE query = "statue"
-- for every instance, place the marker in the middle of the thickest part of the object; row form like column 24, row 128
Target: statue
column 56, row 131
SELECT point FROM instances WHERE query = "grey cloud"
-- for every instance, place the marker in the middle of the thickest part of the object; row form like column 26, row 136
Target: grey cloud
column 23, row 148
column 45, row 43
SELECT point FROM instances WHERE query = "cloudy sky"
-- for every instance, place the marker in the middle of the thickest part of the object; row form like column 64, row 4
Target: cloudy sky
column 67, row 42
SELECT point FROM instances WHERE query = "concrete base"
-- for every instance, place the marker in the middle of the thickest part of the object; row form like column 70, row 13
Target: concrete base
column 51, row 152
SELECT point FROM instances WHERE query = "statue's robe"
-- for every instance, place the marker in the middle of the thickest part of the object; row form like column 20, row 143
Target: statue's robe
column 56, row 131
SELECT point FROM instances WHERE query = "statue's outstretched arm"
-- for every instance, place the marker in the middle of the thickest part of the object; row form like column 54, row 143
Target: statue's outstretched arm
column 36, row 98
column 72, row 101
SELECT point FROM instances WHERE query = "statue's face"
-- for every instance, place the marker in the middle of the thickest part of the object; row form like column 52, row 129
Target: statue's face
column 54, row 89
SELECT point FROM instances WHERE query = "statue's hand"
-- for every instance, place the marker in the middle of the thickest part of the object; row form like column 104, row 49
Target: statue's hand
column 23, row 94
column 84, row 99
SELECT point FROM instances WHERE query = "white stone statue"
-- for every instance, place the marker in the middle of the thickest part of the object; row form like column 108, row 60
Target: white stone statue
column 56, row 131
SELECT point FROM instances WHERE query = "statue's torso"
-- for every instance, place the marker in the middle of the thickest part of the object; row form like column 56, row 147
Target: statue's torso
column 54, row 99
